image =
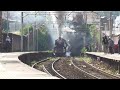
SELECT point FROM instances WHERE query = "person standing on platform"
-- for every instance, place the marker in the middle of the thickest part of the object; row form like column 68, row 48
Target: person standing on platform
column 111, row 46
column 8, row 43
column 105, row 44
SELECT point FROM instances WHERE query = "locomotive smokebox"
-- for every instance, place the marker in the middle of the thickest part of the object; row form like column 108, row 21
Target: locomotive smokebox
column 60, row 47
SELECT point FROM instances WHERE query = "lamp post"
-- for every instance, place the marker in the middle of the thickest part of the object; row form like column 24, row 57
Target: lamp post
column 110, row 24
column 37, row 39
column 1, row 38
column 21, row 31
column 98, row 22
column 101, row 28
column 105, row 25
column 7, row 23
column 84, row 38
column 28, row 39
column 33, row 37
column 34, row 28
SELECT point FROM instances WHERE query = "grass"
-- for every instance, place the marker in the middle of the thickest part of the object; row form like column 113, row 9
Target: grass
column 87, row 59
column 69, row 62
column 33, row 62
column 51, row 58
column 100, row 64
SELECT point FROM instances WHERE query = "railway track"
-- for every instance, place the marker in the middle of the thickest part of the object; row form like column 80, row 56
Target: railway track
column 103, row 72
column 88, row 69
column 49, row 68
column 91, row 75
column 45, row 70
column 70, row 68
column 56, row 70
column 33, row 66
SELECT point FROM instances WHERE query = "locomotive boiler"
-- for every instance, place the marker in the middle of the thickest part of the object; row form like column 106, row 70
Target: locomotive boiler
column 60, row 47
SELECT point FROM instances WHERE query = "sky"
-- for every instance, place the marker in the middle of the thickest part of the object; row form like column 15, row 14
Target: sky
column 17, row 14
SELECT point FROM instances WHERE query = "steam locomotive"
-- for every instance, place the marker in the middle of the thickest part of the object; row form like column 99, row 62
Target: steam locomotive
column 60, row 47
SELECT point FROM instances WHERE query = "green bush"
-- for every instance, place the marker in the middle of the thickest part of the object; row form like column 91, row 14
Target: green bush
column 83, row 50
column 43, row 36
column 25, row 29
column 43, row 39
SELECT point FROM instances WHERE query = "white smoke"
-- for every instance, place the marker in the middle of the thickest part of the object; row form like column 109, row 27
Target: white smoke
column 116, row 26
column 52, row 26
column 117, row 23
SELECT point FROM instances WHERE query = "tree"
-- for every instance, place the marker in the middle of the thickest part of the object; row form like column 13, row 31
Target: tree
column 95, row 36
column 4, row 25
column 25, row 29
column 43, row 39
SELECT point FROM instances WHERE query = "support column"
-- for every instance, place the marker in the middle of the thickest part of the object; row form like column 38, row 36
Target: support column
column 21, row 31
column 110, row 24
column 1, row 31
column 119, row 66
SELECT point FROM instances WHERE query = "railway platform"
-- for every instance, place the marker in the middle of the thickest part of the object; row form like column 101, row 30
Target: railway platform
column 114, row 56
column 12, row 68
column 112, row 59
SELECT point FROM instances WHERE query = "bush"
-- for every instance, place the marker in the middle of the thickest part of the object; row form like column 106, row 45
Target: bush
column 83, row 51
column 43, row 39
column 25, row 29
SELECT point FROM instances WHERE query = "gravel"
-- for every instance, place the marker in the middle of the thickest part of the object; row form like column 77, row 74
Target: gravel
column 65, row 68
column 91, row 70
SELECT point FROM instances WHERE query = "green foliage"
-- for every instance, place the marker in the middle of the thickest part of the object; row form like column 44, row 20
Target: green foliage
column 26, row 28
column 86, row 59
column 92, row 30
column 95, row 35
column 43, row 39
column 43, row 36
column 83, row 50
column 4, row 25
